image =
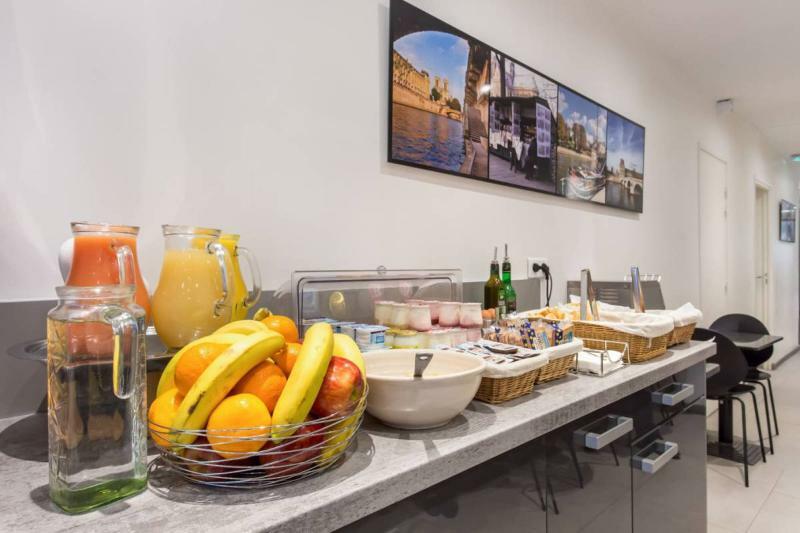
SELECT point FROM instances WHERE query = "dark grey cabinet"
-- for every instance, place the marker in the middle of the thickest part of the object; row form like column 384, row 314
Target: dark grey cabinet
column 637, row 464
column 669, row 482
column 588, row 474
column 505, row 494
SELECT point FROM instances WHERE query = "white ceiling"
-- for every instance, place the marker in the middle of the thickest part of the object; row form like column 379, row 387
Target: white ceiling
column 748, row 50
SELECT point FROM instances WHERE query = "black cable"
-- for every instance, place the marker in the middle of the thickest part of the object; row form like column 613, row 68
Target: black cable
column 548, row 279
column 548, row 286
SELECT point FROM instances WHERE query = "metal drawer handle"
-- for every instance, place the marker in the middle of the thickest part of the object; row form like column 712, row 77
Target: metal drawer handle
column 685, row 390
column 667, row 450
column 622, row 426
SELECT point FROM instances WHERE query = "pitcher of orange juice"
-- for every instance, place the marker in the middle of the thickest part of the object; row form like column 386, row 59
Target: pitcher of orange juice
column 105, row 254
column 242, row 298
column 194, row 296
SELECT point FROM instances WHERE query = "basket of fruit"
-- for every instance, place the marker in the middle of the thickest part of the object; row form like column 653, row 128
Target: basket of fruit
column 244, row 408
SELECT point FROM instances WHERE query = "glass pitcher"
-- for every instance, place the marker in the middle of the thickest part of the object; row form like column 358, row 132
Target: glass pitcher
column 194, row 294
column 105, row 254
column 242, row 298
column 96, row 396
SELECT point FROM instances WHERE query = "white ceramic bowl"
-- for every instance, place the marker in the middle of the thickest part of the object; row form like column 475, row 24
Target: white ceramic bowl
column 397, row 399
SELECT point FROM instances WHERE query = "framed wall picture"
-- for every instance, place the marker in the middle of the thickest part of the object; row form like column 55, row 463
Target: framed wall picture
column 787, row 221
column 439, row 95
column 522, row 126
column 459, row 106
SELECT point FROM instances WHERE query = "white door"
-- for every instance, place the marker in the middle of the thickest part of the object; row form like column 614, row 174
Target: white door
column 761, row 255
column 713, row 215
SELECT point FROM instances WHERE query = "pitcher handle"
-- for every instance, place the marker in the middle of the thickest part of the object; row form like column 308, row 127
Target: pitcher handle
column 224, row 259
column 126, row 265
column 124, row 367
column 255, row 276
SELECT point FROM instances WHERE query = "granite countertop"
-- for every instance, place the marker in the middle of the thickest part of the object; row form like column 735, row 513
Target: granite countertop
column 385, row 466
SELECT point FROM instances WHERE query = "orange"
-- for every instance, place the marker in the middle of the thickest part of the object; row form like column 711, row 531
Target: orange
column 162, row 413
column 193, row 362
column 266, row 380
column 282, row 324
column 287, row 357
column 227, row 426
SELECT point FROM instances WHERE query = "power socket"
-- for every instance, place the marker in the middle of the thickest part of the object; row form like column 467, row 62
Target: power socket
column 533, row 261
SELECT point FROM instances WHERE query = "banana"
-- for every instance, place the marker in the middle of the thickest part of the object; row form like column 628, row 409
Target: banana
column 220, row 377
column 344, row 346
column 167, row 379
column 244, row 327
column 342, row 431
column 305, row 380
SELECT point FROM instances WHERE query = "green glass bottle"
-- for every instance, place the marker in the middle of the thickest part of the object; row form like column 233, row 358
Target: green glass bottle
column 508, row 290
column 493, row 290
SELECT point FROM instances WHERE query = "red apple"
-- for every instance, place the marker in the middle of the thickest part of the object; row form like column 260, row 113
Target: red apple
column 341, row 388
column 296, row 454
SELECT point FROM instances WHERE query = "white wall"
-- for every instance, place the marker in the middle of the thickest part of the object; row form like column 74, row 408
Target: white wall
column 269, row 118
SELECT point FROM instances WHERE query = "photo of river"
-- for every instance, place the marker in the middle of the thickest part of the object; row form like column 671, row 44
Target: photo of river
column 440, row 110
column 427, row 138
column 619, row 196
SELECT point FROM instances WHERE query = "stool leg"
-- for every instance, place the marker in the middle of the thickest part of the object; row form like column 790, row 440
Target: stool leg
column 766, row 410
column 575, row 463
column 744, row 441
column 758, row 427
column 772, row 401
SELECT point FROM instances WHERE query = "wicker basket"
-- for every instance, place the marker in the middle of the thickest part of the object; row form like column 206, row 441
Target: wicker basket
column 681, row 334
column 640, row 349
column 556, row 368
column 499, row 390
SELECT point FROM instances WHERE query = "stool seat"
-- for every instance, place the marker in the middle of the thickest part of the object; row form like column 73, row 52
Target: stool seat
column 758, row 375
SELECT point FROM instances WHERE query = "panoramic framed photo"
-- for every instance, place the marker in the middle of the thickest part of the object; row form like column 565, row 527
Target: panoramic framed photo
column 581, row 153
column 439, row 95
column 787, row 220
column 459, row 106
column 522, row 126
column 624, row 163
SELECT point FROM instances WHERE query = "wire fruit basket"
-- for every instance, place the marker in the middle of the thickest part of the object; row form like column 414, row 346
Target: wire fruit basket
column 307, row 449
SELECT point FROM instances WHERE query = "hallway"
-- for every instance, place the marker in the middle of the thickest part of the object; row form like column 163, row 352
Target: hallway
column 772, row 502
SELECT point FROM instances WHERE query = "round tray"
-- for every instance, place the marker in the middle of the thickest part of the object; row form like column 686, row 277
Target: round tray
column 37, row 350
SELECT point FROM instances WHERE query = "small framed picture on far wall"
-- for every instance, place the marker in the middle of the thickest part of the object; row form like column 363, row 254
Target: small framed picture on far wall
column 787, row 221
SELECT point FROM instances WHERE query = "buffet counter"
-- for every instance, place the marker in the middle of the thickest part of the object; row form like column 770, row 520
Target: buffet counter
column 385, row 467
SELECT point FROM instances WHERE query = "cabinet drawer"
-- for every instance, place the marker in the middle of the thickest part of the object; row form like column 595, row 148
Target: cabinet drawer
column 669, row 474
column 663, row 400
column 503, row 494
column 588, row 474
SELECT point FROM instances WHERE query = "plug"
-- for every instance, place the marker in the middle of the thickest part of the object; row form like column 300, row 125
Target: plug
column 537, row 267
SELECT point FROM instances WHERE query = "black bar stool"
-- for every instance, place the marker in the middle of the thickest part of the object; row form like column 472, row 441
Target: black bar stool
column 726, row 387
column 750, row 324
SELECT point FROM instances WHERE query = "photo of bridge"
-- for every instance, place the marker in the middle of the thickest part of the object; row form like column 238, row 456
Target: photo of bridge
column 625, row 168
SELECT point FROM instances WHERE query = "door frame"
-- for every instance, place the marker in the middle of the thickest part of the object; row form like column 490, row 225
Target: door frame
column 701, row 148
column 767, row 245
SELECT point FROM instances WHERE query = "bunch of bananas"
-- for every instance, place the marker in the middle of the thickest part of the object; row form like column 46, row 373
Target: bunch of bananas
column 243, row 345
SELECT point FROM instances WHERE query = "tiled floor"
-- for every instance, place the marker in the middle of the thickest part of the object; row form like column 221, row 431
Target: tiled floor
column 772, row 502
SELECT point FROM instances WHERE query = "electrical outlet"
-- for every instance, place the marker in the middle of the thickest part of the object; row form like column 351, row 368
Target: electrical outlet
column 533, row 261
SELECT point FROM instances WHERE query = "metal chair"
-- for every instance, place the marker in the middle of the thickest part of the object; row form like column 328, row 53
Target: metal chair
column 750, row 324
column 727, row 385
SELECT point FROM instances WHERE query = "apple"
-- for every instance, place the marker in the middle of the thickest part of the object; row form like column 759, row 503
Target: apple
column 296, row 454
column 341, row 389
